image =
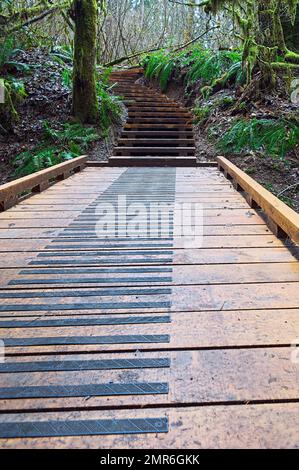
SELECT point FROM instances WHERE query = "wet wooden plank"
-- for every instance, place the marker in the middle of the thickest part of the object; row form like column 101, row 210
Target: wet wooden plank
column 89, row 217
column 205, row 330
column 153, row 257
column 83, row 244
column 159, row 298
column 222, row 230
column 237, row 375
column 233, row 305
column 250, row 426
column 174, row 276
column 240, row 219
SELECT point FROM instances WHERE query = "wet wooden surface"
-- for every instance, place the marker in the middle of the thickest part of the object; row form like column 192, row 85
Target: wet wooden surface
column 224, row 310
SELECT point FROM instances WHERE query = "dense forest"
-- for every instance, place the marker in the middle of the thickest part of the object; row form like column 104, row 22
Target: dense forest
column 234, row 63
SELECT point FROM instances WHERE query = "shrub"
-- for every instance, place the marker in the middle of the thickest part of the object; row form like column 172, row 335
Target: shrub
column 274, row 137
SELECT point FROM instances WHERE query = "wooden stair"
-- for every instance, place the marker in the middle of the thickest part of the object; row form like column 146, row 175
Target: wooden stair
column 158, row 131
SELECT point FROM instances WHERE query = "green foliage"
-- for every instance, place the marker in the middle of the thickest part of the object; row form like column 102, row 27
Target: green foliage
column 67, row 77
column 274, row 137
column 197, row 64
column 7, row 52
column 63, row 55
column 210, row 66
column 201, row 113
column 71, row 134
column 38, row 159
column 17, row 88
column 110, row 109
column 57, row 146
column 160, row 66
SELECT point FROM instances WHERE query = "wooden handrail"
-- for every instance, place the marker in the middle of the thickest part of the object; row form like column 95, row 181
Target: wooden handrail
column 10, row 193
column 282, row 220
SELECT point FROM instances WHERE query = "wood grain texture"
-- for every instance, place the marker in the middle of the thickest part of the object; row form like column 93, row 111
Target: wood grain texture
column 278, row 211
column 224, row 311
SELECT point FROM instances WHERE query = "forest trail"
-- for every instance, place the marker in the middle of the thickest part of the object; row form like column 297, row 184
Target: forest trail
column 152, row 340
column 158, row 130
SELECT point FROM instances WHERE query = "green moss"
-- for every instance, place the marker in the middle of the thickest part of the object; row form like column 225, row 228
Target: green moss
column 292, row 57
column 284, row 66
column 8, row 112
column 85, row 102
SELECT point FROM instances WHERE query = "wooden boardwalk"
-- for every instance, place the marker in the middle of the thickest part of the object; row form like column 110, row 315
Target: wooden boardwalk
column 146, row 342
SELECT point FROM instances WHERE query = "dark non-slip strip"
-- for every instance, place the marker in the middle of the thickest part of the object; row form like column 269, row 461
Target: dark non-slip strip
column 68, row 239
column 84, row 306
column 92, row 390
column 124, row 320
column 105, row 364
column 97, row 246
column 138, row 270
column 114, row 280
column 75, row 340
column 92, row 227
column 89, row 261
column 155, row 229
column 84, row 293
column 53, row 254
column 82, row 428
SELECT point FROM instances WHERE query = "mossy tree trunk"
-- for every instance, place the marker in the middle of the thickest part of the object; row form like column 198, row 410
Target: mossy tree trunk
column 189, row 27
column 85, row 103
column 291, row 32
column 270, row 39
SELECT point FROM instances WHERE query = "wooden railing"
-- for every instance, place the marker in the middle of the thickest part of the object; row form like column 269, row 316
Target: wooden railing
column 11, row 193
column 282, row 220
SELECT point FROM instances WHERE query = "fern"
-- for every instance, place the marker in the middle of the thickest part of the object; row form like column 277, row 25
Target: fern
column 275, row 138
column 71, row 134
column 67, row 77
column 210, row 66
column 63, row 55
column 57, row 147
column 202, row 64
column 7, row 52
column 36, row 160
column 110, row 109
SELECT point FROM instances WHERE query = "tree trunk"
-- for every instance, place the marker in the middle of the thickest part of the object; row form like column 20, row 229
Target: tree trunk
column 291, row 32
column 85, row 102
column 270, row 39
column 189, row 28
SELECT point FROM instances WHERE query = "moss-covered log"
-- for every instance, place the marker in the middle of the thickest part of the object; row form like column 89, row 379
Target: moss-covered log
column 85, row 103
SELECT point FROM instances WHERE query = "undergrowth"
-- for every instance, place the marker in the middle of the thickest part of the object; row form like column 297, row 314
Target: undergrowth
column 208, row 67
column 57, row 146
column 273, row 137
column 14, row 88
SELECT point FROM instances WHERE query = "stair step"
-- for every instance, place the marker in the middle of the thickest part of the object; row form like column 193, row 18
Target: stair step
column 155, row 142
column 171, row 114
column 146, row 151
column 174, row 134
column 157, row 126
column 153, row 161
column 157, row 120
column 141, row 93
column 158, row 130
column 156, row 106
column 158, row 100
